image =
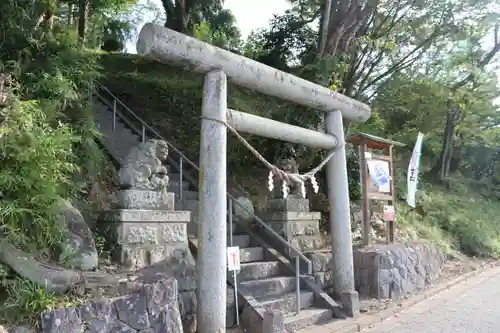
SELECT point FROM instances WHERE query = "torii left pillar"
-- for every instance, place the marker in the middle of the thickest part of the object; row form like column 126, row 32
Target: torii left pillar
column 212, row 228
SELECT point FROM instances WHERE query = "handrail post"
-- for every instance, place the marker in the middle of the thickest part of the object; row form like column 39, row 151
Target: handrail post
column 114, row 114
column 143, row 136
column 297, row 282
column 180, row 178
column 230, row 213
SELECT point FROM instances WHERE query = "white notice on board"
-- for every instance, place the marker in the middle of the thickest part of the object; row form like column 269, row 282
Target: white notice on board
column 233, row 258
column 380, row 175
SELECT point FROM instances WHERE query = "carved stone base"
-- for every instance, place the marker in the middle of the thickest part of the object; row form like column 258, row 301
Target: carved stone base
column 137, row 257
column 145, row 237
column 290, row 204
column 144, row 199
column 291, row 224
column 301, row 229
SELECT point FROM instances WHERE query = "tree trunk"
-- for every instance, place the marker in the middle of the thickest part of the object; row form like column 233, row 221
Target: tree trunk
column 442, row 169
column 177, row 16
column 324, row 24
column 70, row 14
column 82, row 20
column 453, row 117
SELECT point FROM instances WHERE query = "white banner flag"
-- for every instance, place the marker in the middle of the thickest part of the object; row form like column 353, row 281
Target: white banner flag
column 413, row 169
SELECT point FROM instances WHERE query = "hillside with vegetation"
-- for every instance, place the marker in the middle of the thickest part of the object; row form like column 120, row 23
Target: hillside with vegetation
column 427, row 66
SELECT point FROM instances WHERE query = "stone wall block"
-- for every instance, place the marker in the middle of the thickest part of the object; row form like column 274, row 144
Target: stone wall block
column 153, row 309
column 133, row 311
column 396, row 269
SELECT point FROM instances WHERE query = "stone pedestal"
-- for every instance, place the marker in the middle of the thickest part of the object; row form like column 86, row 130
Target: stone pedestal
column 143, row 199
column 145, row 229
column 292, row 220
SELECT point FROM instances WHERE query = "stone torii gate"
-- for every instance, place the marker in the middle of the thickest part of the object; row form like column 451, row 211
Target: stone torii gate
column 174, row 48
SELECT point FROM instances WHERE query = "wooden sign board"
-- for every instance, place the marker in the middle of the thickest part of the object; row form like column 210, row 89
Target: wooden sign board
column 376, row 177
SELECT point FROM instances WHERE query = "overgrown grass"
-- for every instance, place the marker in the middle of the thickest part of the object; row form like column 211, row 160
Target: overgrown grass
column 455, row 216
column 170, row 99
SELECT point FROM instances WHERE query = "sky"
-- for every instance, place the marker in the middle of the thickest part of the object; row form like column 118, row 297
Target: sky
column 254, row 14
column 250, row 14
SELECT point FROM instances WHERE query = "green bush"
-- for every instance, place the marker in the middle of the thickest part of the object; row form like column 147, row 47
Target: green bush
column 36, row 170
column 456, row 215
column 47, row 146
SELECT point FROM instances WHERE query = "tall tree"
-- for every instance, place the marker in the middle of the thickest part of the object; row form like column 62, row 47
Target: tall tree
column 182, row 15
column 457, row 103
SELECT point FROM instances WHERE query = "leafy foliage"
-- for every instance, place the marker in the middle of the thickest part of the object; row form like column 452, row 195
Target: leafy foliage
column 46, row 138
column 37, row 164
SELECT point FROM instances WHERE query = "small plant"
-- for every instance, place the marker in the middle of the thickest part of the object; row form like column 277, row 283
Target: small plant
column 27, row 300
column 102, row 247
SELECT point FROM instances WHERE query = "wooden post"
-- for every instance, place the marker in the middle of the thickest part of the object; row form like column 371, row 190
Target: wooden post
column 365, row 183
column 367, row 142
column 390, row 224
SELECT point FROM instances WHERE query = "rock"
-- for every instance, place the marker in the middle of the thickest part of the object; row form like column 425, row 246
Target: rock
column 153, row 308
column 378, row 225
column 65, row 320
column 133, row 311
column 160, row 296
column 98, row 315
column 79, row 250
column 169, row 321
column 120, row 327
column 22, row 329
column 3, row 329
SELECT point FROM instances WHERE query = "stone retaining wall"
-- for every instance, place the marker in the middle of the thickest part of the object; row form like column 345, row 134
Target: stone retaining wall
column 403, row 268
column 164, row 303
column 388, row 271
column 154, row 309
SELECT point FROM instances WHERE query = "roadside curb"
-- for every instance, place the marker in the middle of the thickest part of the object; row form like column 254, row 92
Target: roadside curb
column 359, row 324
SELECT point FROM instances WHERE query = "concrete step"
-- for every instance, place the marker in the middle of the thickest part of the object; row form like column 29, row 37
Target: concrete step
column 248, row 254
column 287, row 303
column 186, row 195
column 240, row 240
column 307, row 317
column 186, row 204
column 258, row 270
column 174, row 185
column 105, row 123
column 273, row 286
column 251, row 254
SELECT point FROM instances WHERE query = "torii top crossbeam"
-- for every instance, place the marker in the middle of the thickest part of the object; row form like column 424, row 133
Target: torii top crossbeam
column 169, row 46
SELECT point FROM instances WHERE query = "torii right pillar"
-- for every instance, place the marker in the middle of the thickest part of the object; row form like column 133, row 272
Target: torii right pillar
column 340, row 219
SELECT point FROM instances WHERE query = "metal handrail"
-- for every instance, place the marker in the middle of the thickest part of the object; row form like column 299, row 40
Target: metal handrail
column 142, row 133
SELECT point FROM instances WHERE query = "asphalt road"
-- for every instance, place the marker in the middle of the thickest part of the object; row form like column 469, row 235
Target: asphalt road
column 471, row 307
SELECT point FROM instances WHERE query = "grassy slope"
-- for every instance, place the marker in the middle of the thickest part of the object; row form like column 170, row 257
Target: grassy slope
column 170, row 99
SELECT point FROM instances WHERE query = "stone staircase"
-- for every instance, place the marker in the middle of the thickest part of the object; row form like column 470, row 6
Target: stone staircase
column 267, row 279
column 265, row 283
